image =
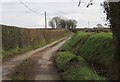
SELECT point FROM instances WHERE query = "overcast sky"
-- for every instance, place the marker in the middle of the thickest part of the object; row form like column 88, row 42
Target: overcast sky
column 13, row 12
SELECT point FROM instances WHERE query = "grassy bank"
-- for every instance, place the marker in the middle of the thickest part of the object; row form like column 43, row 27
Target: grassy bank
column 74, row 67
column 96, row 48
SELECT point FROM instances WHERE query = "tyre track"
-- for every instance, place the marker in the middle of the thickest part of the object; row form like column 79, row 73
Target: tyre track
column 9, row 67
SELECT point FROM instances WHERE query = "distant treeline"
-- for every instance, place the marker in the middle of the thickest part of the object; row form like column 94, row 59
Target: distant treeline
column 13, row 37
column 97, row 29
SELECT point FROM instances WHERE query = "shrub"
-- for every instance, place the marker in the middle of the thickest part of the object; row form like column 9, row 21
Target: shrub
column 63, row 59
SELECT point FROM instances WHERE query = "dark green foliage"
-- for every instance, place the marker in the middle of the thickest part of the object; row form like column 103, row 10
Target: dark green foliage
column 10, row 37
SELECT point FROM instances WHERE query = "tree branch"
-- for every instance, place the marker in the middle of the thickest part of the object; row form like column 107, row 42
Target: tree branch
column 79, row 3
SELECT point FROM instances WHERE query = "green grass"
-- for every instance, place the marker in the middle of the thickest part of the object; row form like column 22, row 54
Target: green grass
column 82, row 73
column 98, row 48
column 74, row 67
column 65, row 60
column 69, row 45
column 62, row 60
column 41, row 43
column 15, row 51
column 95, row 48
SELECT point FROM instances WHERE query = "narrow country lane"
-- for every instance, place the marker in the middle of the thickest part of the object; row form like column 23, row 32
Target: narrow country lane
column 44, row 68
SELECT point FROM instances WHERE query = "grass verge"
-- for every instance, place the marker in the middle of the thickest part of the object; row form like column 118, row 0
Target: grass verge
column 74, row 67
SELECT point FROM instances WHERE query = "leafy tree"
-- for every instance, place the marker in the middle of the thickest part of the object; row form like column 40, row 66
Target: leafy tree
column 51, row 23
column 56, row 21
column 59, row 22
column 63, row 23
column 73, row 23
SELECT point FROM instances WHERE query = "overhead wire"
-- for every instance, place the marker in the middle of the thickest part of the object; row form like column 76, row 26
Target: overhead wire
column 29, row 8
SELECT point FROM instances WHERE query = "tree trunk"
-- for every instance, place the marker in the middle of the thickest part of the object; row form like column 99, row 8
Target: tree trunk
column 116, row 63
column 114, row 15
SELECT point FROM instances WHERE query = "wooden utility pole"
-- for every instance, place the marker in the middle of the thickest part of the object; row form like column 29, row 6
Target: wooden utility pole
column 88, row 24
column 45, row 20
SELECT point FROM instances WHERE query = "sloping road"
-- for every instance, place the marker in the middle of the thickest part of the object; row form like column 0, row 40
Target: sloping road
column 44, row 68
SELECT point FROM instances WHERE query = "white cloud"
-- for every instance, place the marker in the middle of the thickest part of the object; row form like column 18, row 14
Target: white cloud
column 17, row 14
